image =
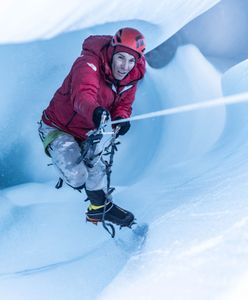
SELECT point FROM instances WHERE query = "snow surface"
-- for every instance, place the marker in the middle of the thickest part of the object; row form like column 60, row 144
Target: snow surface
column 186, row 175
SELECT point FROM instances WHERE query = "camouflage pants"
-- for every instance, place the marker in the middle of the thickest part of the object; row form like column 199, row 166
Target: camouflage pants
column 65, row 153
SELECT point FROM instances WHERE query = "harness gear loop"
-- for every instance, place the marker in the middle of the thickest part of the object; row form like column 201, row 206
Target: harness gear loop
column 51, row 136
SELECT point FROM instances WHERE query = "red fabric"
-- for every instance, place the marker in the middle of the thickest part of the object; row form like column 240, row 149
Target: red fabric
column 89, row 85
column 135, row 54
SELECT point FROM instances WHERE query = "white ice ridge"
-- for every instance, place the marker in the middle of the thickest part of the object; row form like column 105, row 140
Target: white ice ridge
column 28, row 20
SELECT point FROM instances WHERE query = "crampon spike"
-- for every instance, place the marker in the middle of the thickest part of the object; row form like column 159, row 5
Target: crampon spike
column 130, row 225
column 91, row 220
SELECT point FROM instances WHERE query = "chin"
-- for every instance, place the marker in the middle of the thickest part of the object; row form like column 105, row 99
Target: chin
column 122, row 76
column 119, row 77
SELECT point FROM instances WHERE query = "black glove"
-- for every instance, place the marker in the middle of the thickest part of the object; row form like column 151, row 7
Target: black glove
column 97, row 115
column 124, row 126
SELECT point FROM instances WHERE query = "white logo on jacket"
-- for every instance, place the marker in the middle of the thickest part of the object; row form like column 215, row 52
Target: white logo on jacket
column 93, row 67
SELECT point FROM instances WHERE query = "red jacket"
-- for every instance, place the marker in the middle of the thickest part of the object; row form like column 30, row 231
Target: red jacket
column 90, row 84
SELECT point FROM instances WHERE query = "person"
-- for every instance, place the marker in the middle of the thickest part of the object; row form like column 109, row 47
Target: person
column 103, row 79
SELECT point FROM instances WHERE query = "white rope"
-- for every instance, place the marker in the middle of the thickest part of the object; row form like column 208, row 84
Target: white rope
column 233, row 99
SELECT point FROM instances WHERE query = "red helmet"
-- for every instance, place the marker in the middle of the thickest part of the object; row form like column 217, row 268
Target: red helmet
column 130, row 38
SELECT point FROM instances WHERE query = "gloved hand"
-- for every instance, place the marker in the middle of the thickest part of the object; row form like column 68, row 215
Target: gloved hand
column 124, row 126
column 97, row 115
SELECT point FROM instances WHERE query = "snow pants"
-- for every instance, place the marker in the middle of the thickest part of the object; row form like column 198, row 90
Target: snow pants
column 65, row 153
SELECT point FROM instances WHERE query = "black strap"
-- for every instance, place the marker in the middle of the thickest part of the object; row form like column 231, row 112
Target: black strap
column 110, row 230
column 59, row 184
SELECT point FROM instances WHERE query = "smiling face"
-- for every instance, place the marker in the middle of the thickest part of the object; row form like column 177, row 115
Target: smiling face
column 122, row 64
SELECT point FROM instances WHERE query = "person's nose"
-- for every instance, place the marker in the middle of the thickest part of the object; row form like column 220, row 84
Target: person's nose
column 125, row 65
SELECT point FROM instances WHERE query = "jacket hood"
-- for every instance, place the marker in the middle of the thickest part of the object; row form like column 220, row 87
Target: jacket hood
column 95, row 43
